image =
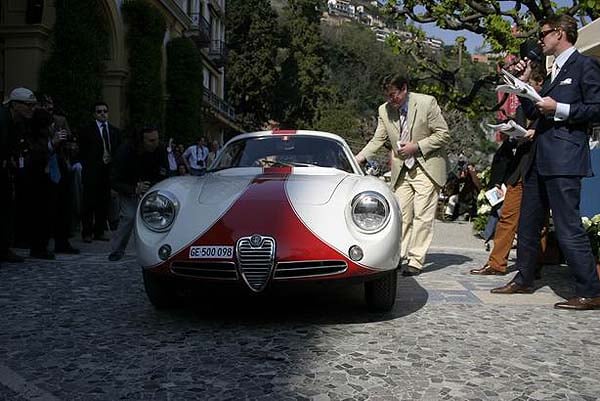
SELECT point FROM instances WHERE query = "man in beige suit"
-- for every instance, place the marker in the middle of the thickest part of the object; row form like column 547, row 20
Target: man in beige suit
column 414, row 125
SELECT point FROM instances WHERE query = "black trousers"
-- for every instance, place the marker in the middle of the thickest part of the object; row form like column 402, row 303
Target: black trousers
column 96, row 197
column 561, row 194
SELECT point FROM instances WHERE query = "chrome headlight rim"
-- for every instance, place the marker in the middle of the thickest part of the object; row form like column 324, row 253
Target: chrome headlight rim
column 169, row 196
column 358, row 198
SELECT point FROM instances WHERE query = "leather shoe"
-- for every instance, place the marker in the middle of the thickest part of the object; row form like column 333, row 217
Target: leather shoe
column 512, row 288
column 487, row 270
column 579, row 303
column 100, row 238
column 411, row 271
column 115, row 256
column 11, row 257
column 87, row 239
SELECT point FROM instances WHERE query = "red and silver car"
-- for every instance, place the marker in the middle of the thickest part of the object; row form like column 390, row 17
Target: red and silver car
column 275, row 207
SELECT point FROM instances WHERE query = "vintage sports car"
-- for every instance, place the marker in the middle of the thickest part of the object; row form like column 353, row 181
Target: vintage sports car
column 275, row 207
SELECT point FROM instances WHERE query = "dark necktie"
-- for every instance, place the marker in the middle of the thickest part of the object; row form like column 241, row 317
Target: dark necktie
column 105, row 138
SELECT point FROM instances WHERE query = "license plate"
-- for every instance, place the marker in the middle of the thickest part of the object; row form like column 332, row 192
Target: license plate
column 211, row 252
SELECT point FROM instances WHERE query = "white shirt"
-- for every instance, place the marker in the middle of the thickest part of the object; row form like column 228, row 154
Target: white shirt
column 562, row 109
column 196, row 156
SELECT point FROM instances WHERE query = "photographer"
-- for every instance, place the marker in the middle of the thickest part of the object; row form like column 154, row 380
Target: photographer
column 60, row 174
column 136, row 167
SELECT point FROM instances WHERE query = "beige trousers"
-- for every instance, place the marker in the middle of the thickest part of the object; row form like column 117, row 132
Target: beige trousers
column 418, row 197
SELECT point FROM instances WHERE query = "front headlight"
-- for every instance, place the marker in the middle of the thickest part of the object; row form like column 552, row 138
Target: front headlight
column 370, row 211
column 158, row 210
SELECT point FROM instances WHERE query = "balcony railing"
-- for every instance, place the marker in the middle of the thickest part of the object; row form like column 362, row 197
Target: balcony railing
column 219, row 105
column 217, row 52
column 199, row 29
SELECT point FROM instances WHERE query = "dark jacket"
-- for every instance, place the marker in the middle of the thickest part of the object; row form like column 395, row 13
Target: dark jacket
column 91, row 149
column 561, row 147
column 131, row 165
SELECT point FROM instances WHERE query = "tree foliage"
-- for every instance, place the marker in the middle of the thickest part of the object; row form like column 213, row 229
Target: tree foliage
column 251, row 74
column 145, row 33
column 493, row 19
column 73, row 72
column 302, row 69
column 184, row 86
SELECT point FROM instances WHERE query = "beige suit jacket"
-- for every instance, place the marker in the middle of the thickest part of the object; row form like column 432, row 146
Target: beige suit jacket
column 427, row 128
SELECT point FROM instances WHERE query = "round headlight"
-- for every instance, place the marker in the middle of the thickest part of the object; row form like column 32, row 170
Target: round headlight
column 158, row 210
column 370, row 211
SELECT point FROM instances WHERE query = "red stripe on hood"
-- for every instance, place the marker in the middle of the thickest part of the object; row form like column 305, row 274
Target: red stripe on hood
column 265, row 209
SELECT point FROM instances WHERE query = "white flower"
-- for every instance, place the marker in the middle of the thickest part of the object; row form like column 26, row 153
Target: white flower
column 587, row 223
column 484, row 209
column 596, row 219
column 481, row 196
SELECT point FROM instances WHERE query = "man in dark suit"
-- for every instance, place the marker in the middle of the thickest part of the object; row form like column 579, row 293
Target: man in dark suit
column 570, row 101
column 97, row 141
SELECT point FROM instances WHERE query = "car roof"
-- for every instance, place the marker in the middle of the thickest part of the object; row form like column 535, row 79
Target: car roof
column 257, row 134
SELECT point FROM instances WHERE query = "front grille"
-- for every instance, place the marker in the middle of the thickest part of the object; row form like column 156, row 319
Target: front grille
column 256, row 259
column 207, row 270
column 285, row 270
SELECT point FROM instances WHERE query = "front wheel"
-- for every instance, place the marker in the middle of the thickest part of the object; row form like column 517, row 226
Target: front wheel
column 161, row 293
column 380, row 293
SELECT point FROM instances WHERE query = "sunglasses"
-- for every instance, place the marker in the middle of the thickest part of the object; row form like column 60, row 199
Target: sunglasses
column 101, row 111
column 543, row 34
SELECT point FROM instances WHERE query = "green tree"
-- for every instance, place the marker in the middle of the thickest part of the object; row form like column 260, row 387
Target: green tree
column 185, row 89
column 73, row 72
column 251, row 74
column 493, row 19
column 302, row 70
column 145, row 33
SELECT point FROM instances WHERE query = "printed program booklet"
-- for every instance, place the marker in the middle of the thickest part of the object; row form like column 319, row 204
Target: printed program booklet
column 518, row 87
column 496, row 195
column 510, row 128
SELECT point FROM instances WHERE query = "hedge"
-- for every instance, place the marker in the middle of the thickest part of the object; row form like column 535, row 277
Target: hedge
column 145, row 33
column 72, row 75
column 184, row 86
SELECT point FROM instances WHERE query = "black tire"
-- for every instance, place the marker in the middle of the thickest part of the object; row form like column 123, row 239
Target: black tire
column 161, row 293
column 380, row 293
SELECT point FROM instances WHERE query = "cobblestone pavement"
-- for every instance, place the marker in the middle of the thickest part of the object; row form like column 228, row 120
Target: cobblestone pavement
column 81, row 328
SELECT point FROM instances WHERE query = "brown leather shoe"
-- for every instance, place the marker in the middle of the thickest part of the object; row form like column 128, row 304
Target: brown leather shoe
column 487, row 270
column 579, row 303
column 512, row 288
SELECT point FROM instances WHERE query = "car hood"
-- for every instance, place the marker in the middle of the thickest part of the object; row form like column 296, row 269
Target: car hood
column 313, row 186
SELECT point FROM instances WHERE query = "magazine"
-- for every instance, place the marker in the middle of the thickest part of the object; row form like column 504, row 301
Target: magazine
column 510, row 128
column 496, row 195
column 518, row 87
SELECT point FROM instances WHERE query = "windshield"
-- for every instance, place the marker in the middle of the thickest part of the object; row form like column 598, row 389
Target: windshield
column 284, row 150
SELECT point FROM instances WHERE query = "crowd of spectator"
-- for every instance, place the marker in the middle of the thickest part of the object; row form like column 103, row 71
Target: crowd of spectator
column 57, row 180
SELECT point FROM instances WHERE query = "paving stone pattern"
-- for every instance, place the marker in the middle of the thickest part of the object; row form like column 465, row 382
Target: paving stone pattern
column 81, row 328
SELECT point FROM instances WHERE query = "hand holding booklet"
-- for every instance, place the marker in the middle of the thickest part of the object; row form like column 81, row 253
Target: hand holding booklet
column 496, row 195
column 518, row 87
column 510, row 128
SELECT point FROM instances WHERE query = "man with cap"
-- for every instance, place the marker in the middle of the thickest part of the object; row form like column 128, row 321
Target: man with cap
column 14, row 114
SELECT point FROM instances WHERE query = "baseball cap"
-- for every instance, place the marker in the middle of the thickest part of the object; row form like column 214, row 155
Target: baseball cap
column 21, row 95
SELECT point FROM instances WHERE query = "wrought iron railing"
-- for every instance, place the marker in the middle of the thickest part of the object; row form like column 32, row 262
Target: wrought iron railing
column 218, row 104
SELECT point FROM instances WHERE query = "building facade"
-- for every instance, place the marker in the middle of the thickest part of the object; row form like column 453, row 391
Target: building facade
column 25, row 28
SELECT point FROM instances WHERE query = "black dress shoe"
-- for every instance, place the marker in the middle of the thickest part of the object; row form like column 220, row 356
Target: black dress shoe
column 87, row 239
column 66, row 249
column 41, row 254
column 579, row 303
column 411, row 271
column 11, row 257
column 115, row 256
column 487, row 270
column 512, row 288
column 100, row 238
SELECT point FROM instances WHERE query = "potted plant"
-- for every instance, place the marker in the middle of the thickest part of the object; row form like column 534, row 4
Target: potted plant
column 592, row 228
